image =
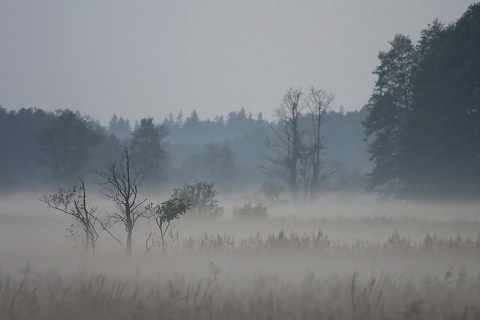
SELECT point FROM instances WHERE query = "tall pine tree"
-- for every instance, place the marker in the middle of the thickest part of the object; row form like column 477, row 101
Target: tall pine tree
column 388, row 108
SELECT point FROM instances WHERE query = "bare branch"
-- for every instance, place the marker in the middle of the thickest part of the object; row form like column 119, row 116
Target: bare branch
column 121, row 181
column 105, row 228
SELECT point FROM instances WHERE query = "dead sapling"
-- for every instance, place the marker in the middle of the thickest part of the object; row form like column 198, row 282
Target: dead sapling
column 73, row 202
column 121, row 181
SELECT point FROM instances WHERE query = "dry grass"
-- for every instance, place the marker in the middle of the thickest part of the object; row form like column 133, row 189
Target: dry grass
column 321, row 243
column 50, row 296
column 215, row 293
column 370, row 266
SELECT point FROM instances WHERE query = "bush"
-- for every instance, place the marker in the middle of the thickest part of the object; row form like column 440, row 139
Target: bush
column 200, row 197
column 249, row 211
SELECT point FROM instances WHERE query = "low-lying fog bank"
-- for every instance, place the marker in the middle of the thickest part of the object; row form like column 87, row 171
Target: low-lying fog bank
column 338, row 258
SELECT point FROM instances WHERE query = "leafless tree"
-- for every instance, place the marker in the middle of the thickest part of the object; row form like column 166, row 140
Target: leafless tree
column 121, row 181
column 74, row 203
column 287, row 145
column 297, row 146
column 318, row 103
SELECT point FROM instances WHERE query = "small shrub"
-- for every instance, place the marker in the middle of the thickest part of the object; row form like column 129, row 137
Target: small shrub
column 163, row 214
column 200, row 197
column 248, row 211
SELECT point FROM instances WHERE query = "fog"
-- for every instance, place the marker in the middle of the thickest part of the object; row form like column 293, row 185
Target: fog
column 35, row 234
column 238, row 260
column 253, row 160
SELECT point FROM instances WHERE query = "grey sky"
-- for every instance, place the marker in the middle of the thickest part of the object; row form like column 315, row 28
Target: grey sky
column 150, row 58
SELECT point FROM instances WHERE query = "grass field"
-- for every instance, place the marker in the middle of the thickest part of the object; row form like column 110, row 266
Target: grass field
column 354, row 260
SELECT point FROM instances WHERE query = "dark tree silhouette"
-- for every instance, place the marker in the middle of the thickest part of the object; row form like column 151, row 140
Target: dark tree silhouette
column 148, row 151
column 388, row 107
column 287, row 145
column 65, row 145
column 318, row 103
column 121, row 181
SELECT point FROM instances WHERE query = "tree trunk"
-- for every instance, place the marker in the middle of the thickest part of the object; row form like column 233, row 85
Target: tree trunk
column 128, row 247
column 87, row 239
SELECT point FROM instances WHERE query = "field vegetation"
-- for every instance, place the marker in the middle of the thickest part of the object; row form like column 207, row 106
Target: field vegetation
column 363, row 259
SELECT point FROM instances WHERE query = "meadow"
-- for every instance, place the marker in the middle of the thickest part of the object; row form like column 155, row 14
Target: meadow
column 342, row 258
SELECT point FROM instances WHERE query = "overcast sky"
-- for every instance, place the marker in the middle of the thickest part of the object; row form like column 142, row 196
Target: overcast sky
column 151, row 58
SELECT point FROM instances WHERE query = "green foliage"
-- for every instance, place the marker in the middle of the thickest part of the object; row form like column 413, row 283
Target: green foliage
column 249, row 211
column 167, row 211
column 201, row 198
column 164, row 214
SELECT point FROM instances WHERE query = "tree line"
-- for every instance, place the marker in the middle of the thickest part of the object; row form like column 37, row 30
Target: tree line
column 52, row 149
column 424, row 113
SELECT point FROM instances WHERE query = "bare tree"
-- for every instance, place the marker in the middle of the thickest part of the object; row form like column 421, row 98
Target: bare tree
column 287, row 146
column 121, row 181
column 297, row 147
column 74, row 203
column 318, row 103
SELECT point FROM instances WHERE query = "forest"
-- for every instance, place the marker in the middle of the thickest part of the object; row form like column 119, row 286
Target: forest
column 424, row 114
column 52, row 149
column 417, row 137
